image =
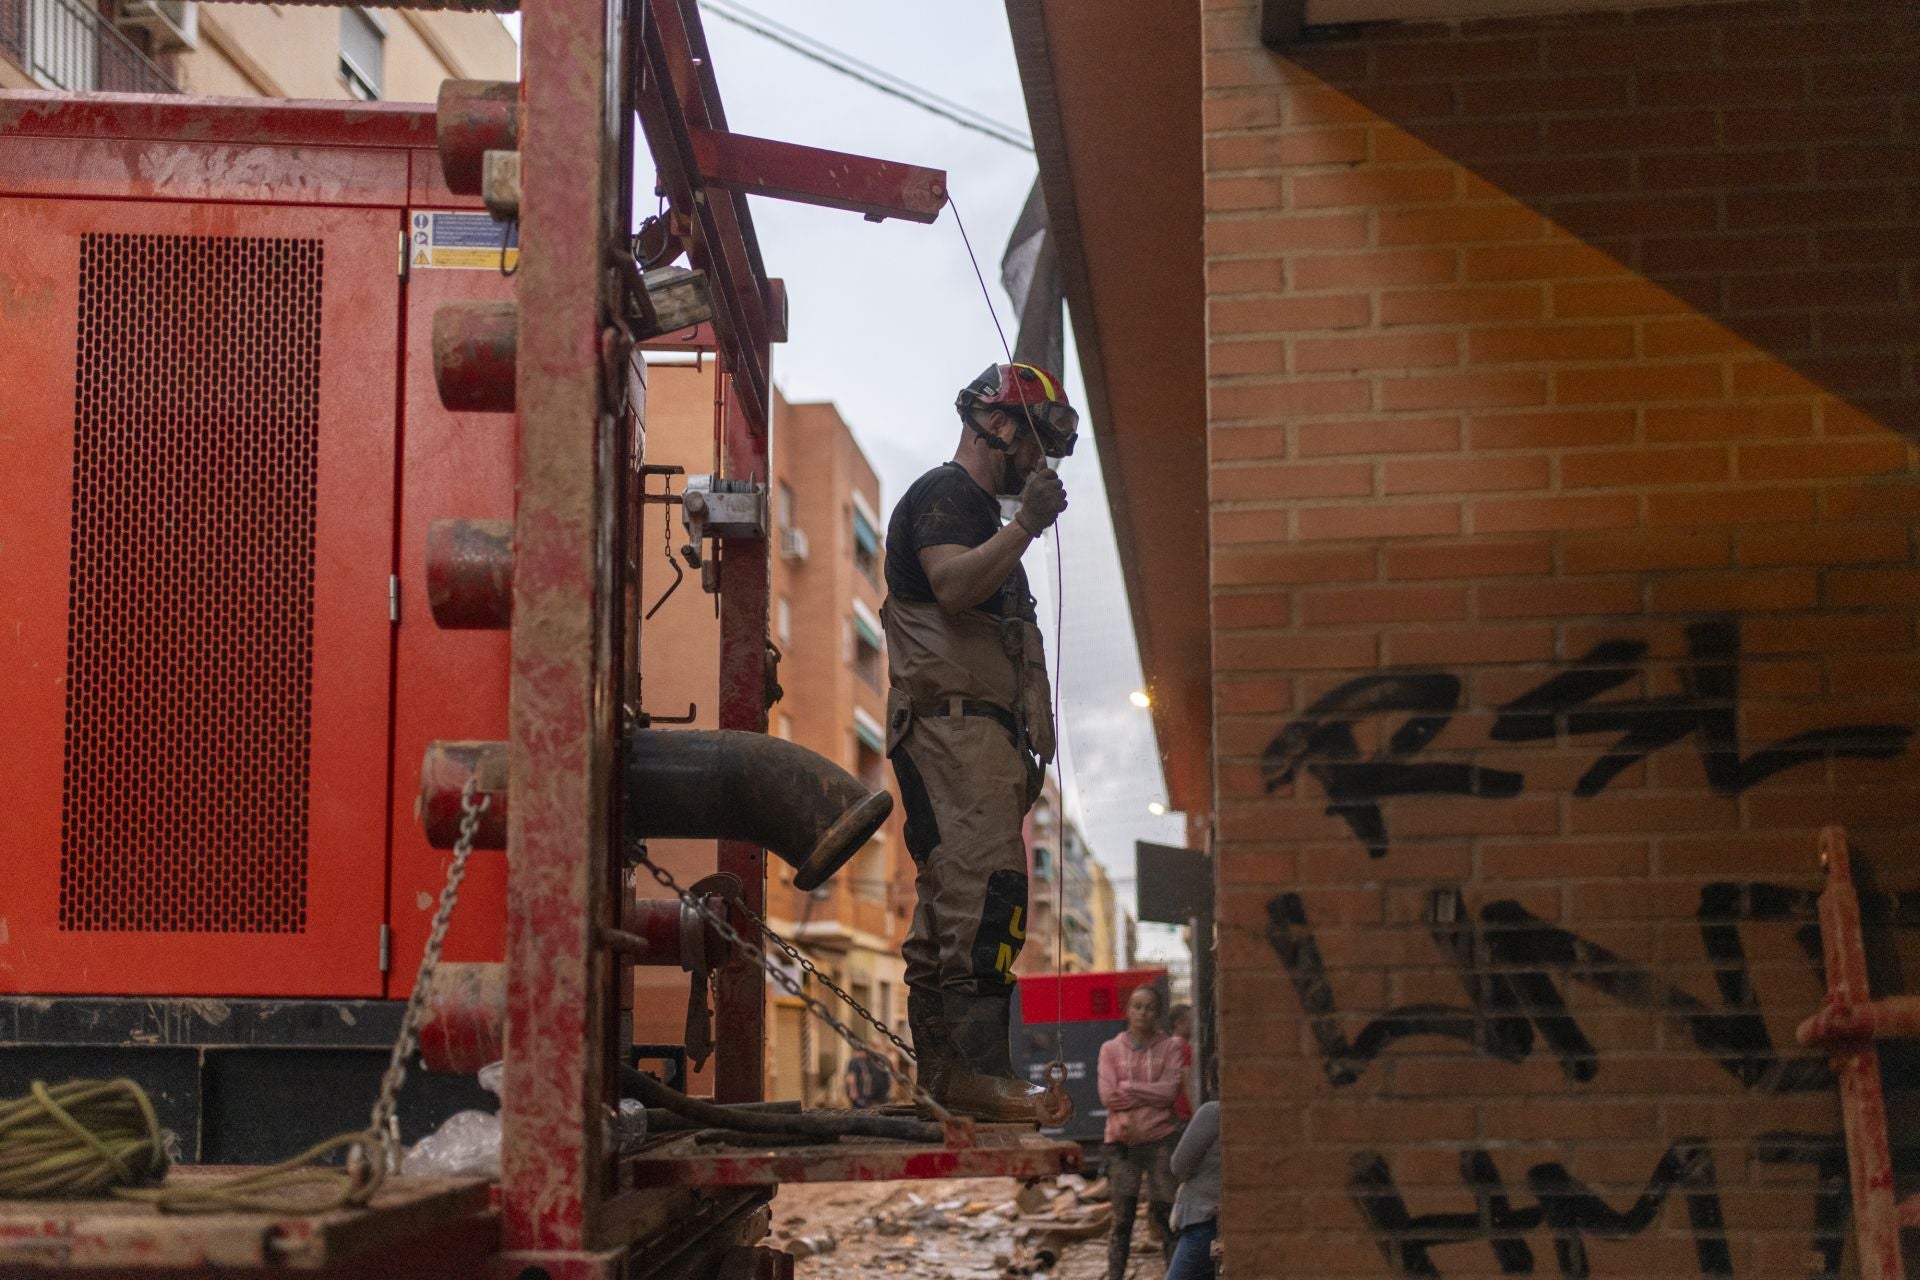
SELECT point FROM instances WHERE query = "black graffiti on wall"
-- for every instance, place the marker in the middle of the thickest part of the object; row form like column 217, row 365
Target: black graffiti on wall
column 1511, row 966
column 1826, row 1154
column 1324, row 743
column 1566, row 1207
column 1516, row 970
column 1571, row 1212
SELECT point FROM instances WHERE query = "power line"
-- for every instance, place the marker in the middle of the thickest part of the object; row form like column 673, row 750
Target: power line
column 825, row 54
column 871, row 76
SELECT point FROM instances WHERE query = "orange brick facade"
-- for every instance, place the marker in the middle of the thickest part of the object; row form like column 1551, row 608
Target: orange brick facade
column 1561, row 373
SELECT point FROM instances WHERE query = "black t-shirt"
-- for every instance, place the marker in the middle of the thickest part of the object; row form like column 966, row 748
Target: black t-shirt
column 945, row 508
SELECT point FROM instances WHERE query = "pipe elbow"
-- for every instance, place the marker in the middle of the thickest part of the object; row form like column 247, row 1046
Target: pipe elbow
column 726, row 784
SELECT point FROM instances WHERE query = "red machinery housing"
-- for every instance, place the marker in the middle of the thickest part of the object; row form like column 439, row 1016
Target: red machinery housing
column 226, row 451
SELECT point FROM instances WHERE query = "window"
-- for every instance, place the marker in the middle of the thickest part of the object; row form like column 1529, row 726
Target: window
column 363, row 41
column 866, row 540
column 867, row 767
column 783, row 506
column 869, row 870
column 869, row 747
column 783, row 622
column 1042, row 862
column 62, row 42
column 865, row 645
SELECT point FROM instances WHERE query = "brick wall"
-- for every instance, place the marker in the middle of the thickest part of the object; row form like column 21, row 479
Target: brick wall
column 1561, row 375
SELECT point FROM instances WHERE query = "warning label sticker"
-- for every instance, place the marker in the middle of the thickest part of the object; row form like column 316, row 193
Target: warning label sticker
column 461, row 238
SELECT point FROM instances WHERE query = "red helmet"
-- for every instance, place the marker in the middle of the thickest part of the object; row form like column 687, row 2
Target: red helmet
column 1039, row 396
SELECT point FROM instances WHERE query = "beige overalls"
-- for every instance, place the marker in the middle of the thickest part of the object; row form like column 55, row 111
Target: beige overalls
column 969, row 726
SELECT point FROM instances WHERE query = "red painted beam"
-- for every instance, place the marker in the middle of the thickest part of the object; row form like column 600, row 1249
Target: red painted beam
column 740, row 988
column 809, row 175
column 259, row 122
column 676, row 93
column 561, row 872
column 484, row 6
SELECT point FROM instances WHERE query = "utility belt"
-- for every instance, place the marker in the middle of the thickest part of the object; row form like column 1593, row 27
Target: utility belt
column 906, row 712
column 956, row 708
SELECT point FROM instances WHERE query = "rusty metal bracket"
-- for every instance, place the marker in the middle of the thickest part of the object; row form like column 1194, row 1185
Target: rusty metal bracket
column 879, row 189
column 1848, row 1024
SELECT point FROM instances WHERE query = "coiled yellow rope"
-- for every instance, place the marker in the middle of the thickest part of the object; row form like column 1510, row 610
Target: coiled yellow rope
column 89, row 1137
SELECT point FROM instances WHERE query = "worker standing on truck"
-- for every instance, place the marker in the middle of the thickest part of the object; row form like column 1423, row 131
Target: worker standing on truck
column 970, row 724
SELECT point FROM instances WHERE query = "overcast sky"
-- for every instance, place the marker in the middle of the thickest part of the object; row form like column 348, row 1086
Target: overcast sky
column 888, row 322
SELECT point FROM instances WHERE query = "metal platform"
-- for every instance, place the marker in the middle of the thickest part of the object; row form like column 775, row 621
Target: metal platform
column 997, row 1151
column 449, row 1218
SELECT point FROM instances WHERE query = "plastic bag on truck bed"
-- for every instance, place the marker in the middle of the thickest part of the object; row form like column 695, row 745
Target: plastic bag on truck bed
column 468, row 1144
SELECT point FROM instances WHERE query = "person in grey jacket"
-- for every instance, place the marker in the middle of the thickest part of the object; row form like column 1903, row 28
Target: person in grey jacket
column 1196, row 1210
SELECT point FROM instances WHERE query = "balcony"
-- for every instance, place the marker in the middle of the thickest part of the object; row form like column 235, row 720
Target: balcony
column 68, row 45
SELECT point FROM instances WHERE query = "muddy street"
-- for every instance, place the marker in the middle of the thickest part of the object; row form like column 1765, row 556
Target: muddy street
column 957, row 1229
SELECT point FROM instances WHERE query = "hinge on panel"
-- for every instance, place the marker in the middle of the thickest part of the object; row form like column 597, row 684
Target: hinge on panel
column 386, row 948
column 393, row 597
column 403, row 253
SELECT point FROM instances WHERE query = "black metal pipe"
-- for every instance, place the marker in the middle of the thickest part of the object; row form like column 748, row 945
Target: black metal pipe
column 725, row 784
column 635, row 1083
column 661, row 1120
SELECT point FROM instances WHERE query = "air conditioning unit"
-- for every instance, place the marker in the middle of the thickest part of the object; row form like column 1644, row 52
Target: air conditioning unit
column 793, row 544
column 173, row 24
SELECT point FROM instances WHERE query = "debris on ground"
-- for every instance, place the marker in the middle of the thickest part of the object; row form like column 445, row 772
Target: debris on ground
column 960, row 1229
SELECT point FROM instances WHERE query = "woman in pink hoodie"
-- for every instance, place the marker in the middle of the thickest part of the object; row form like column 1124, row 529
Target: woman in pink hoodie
column 1141, row 1070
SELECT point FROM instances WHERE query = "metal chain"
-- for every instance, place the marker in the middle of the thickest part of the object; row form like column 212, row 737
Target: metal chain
column 793, row 953
column 409, row 1037
column 753, row 952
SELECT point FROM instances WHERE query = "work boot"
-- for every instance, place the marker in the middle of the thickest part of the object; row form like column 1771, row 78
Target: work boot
column 932, row 1040
column 981, row 1082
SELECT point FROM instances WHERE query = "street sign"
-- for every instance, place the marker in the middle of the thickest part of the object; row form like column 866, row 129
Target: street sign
column 1174, row 885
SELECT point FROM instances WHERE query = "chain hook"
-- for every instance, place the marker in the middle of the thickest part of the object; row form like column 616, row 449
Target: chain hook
column 383, row 1128
column 958, row 1128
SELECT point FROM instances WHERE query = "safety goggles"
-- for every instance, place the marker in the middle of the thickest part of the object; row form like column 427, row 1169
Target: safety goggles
column 1057, row 425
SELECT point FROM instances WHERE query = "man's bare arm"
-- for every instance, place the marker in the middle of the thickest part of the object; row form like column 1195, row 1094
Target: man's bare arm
column 965, row 577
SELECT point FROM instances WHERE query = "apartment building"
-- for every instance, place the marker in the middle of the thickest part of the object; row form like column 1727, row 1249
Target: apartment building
column 1062, row 902
column 247, row 50
column 827, row 587
column 1105, row 920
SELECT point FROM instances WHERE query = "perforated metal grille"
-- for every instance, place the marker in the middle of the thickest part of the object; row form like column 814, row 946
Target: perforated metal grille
column 190, row 614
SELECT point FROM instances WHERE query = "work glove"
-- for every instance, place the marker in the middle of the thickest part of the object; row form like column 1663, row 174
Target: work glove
column 1041, row 501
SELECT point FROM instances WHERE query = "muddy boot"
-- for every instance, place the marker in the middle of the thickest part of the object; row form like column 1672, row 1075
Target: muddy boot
column 981, row 1083
column 932, row 1041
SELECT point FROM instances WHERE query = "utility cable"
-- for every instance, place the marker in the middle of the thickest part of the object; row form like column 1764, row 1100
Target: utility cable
column 871, row 76
column 635, row 1083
